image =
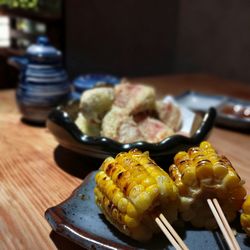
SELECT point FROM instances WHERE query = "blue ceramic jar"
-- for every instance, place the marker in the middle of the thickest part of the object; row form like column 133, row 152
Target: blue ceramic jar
column 43, row 81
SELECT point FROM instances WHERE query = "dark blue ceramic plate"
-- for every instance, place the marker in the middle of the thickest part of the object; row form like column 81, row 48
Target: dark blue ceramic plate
column 61, row 124
column 79, row 219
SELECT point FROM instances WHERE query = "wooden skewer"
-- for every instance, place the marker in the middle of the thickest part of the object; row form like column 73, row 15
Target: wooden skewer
column 173, row 232
column 167, row 233
column 223, row 224
column 170, row 233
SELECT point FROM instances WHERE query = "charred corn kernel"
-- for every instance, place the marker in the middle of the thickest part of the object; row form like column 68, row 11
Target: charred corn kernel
column 131, row 210
column 194, row 152
column 131, row 222
column 142, row 177
column 122, row 205
column 204, row 169
column 201, row 173
column 180, row 157
column 245, row 216
column 205, row 145
column 220, row 170
column 148, row 181
column 245, row 223
column 117, row 196
column 246, row 205
column 131, row 189
column 182, row 188
column 136, row 191
column 189, row 177
column 238, row 193
column 231, row 180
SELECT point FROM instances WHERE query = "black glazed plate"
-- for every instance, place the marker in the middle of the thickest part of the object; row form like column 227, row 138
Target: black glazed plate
column 61, row 124
column 79, row 219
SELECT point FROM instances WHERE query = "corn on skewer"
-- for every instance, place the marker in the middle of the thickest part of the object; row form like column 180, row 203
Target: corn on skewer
column 132, row 190
column 200, row 174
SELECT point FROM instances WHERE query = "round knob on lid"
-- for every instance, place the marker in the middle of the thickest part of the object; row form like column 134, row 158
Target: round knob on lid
column 43, row 52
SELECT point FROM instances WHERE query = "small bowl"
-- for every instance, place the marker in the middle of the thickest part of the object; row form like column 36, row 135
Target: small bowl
column 88, row 81
column 231, row 114
column 61, row 124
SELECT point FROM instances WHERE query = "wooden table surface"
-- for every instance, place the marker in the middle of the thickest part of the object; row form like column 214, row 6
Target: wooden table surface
column 36, row 173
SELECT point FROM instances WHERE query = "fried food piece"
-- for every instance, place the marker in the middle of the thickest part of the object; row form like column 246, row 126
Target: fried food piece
column 169, row 113
column 245, row 216
column 123, row 128
column 200, row 173
column 87, row 127
column 96, row 102
column 127, row 113
column 131, row 189
column 129, row 131
column 154, row 130
column 134, row 98
column 118, row 126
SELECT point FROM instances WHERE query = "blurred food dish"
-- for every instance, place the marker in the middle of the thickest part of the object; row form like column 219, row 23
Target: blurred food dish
column 128, row 113
column 232, row 113
column 67, row 123
column 235, row 114
column 199, row 101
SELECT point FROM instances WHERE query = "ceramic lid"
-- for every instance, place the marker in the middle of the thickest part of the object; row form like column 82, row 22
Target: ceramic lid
column 42, row 50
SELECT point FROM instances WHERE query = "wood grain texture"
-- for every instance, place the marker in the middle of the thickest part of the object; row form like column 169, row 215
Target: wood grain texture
column 36, row 173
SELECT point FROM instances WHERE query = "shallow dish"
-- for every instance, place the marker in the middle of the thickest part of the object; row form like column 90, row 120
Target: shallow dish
column 198, row 101
column 61, row 124
column 80, row 220
column 202, row 102
column 226, row 117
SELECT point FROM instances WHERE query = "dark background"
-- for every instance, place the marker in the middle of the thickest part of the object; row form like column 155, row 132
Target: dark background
column 135, row 38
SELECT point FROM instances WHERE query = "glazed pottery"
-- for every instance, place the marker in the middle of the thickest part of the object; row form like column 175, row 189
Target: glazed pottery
column 43, row 81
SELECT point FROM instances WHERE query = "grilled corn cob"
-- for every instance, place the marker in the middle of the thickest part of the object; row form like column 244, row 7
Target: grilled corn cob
column 245, row 216
column 200, row 173
column 131, row 190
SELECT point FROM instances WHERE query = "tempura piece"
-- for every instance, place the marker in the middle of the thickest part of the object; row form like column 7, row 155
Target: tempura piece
column 87, row 127
column 134, row 98
column 96, row 102
column 169, row 113
column 118, row 126
column 154, row 130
